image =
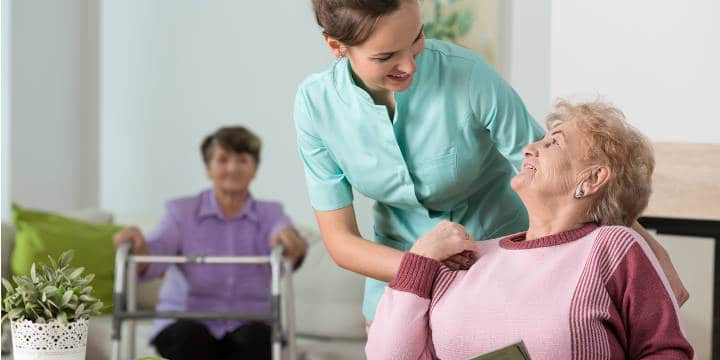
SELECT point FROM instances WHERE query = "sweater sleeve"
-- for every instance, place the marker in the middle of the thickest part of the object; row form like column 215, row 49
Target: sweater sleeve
column 647, row 316
column 401, row 327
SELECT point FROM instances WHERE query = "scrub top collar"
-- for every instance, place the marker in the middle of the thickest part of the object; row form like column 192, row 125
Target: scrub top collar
column 349, row 91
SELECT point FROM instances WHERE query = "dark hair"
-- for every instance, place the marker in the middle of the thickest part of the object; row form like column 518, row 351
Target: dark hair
column 237, row 139
column 351, row 21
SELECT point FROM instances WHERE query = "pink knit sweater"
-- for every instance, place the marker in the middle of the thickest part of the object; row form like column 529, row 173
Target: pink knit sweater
column 590, row 293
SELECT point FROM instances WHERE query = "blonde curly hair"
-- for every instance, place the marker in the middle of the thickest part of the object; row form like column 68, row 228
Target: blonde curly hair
column 607, row 139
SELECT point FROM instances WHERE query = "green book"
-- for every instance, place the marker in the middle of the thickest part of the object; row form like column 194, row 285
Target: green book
column 516, row 351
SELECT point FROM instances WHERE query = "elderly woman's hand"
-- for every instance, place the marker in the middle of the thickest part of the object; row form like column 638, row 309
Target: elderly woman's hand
column 450, row 243
column 139, row 246
column 295, row 245
column 133, row 234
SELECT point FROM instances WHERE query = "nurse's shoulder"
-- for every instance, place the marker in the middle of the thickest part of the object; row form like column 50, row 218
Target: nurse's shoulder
column 453, row 57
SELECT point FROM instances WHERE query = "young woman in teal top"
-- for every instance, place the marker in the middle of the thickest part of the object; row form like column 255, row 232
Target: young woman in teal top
column 426, row 128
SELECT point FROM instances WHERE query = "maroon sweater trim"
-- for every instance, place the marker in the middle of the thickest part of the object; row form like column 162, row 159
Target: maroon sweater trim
column 518, row 242
column 416, row 275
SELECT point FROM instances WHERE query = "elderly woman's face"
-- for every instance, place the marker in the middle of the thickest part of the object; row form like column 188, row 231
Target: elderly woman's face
column 551, row 165
column 230, row 171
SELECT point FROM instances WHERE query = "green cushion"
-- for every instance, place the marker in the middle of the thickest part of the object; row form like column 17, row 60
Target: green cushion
column 39, row 234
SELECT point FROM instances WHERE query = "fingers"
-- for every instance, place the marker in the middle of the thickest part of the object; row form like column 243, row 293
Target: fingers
column 133, row 235
column 294, row 245
column 460, row 237
column 452, row 265
column 464, row 260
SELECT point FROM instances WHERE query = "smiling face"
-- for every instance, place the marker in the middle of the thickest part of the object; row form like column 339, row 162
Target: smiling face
column 552, row 165
column 385, row 62
column 230, row 172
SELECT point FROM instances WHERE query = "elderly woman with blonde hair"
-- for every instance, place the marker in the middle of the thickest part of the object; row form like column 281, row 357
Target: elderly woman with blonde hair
column 578, row 284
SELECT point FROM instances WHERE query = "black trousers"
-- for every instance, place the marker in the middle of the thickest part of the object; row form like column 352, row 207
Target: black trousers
column 191, row 340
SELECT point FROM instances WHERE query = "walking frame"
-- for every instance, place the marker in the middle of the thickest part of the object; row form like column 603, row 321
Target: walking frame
column 281, row 317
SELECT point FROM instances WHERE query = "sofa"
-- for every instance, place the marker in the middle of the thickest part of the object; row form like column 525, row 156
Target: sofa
column 328, row 300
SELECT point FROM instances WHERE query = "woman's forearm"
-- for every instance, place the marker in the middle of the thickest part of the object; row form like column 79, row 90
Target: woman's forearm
column 365, row 257
column 350, row 251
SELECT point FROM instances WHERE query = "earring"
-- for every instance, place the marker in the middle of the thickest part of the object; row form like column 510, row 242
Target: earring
column 579, row 193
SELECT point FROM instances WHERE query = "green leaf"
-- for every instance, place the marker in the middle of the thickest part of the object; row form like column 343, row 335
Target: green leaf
column 15, row 313
column 21, row 280
column 62, row 317
column 66, row 297
column 53, row 264
column 76, row 273
column 8, row 286
column 87, row 298
column 50, row 290
column 33, row 273
column 50, row 302
column 79, row 310
column 66, row 257
column 34, row 313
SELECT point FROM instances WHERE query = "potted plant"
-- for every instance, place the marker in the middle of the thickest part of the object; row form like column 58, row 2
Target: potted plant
column 49, row 310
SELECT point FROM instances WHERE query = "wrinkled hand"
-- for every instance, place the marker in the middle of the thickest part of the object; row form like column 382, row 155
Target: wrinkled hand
column 450, row 243
column 295, row 246
column 133, row 234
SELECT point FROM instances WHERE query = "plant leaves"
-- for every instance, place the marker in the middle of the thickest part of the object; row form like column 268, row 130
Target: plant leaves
column 57, row 292
column 87, row 298
column 21, row 280
column 79, row 310
column 66, row 257
column 53, row 264
column 62, row 317
column 50, row 290
column 33, row 273
column 15, row 313
column 66, row 297
column 76, row 273
column 8, row 287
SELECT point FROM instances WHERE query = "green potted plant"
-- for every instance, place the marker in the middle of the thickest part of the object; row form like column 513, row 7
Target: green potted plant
column 49, row 310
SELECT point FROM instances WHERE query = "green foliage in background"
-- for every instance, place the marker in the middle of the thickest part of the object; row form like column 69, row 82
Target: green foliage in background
column 451, row 26
column 56, row 292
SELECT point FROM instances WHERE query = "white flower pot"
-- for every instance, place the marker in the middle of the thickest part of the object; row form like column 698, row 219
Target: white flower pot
column 51, row 341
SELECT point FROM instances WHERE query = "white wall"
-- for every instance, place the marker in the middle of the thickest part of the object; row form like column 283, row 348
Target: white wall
column 174, row 71
column 526, row 47
column 656, row 60
column 5, row 110
column 53, row 104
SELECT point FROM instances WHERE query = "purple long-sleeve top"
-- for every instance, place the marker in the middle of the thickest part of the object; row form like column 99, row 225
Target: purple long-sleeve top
column 196, row 225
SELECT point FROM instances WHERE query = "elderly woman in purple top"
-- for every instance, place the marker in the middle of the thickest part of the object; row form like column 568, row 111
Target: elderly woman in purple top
column 225, row 220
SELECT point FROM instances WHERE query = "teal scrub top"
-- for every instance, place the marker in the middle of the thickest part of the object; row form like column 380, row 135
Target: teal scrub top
column 449, row 153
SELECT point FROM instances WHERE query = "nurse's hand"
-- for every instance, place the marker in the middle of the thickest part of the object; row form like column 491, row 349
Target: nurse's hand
column 449, row 243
